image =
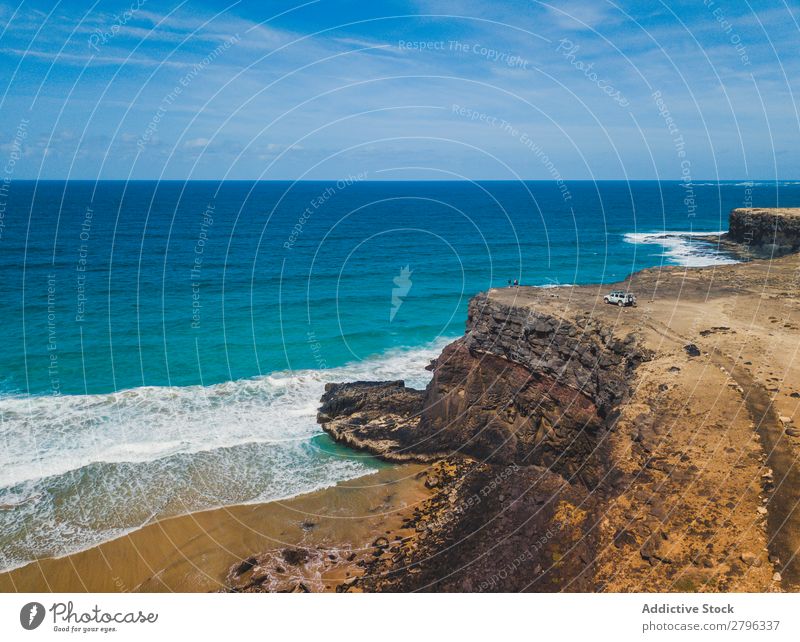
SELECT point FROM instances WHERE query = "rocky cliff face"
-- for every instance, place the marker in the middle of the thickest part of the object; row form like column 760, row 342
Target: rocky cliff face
column 520, row 387
column 523, row 403
column 493, row 528
column 527, row 387
column 766, row 232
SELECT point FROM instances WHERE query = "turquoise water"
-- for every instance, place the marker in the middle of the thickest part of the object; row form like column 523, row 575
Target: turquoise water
column 166, row 343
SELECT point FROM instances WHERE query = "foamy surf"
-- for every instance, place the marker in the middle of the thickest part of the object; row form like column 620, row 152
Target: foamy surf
column 79, row 470
column 683, row 248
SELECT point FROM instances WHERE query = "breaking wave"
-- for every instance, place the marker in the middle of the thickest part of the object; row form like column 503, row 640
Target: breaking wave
column 79, row 470
column 684, row 248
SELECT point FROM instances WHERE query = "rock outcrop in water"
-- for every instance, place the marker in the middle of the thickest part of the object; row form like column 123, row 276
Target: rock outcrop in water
column 765, row 232
column 381, row 417
column 520, row 387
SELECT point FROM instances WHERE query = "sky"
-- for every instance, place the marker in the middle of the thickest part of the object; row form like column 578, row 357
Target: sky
column 391, row 90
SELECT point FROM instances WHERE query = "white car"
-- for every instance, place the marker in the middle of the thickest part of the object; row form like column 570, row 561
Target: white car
column 617, row 297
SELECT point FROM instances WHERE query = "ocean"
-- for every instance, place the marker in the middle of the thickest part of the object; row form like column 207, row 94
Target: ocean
column 167, row 342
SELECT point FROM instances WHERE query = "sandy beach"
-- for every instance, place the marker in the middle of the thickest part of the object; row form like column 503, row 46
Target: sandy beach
column 195, row 552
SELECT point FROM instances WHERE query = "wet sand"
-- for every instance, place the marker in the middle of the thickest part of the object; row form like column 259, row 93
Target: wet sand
column 195, row 552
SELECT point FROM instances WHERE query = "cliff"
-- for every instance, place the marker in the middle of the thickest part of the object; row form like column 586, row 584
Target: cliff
column 766, row 232
column 528, row 385
column 522, row 386
column 524, row 403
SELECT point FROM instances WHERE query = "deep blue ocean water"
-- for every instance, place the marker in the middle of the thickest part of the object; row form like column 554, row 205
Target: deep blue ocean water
column 165, row 344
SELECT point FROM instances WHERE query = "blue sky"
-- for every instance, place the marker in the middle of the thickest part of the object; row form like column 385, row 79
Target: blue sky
column 586, row 89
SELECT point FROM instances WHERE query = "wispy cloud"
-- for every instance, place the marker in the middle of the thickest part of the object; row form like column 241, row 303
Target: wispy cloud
column 91, row 59
column 580, row 14
column 294, row 89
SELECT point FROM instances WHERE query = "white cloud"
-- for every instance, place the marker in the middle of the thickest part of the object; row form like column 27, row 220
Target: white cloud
column 572, row 14
column 194, row 143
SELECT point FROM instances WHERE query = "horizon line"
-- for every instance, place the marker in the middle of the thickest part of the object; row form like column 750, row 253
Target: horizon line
column 403, row 180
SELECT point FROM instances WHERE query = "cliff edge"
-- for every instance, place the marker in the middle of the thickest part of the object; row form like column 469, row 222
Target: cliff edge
column 522, row 406
column 766, row 232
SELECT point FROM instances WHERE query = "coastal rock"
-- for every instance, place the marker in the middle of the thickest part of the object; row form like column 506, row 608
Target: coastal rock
column 766, row 232
column 520, row 387
column 498, row 410
column 528, row 387
column 581, row 352
column 245, row 566
column 288, row 570
column 379, row 417
column 295, row 556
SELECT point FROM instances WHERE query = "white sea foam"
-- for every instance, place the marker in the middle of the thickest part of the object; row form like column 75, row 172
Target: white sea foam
column 683, row 248
column 78, row 470
column 45, row 436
